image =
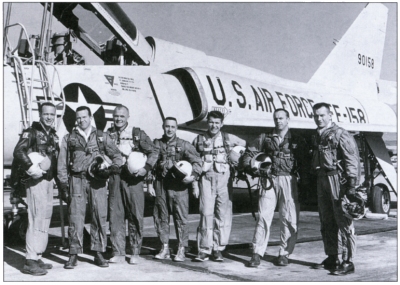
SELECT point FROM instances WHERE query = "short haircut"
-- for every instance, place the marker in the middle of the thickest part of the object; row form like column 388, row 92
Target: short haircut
column 81, row 108
column 120, row 106
column 45, row 104
column 320, row 105
column 216, row 115
column 282, row 110
column 170, row 119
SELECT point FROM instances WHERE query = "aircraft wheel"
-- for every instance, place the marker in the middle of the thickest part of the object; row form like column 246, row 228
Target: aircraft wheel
column 18, row 228
column 380, row 199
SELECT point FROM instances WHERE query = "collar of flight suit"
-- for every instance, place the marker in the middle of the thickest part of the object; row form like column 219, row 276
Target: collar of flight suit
column 39, row 126
column 288, row 135
column 330, row 125
column 83, row 134
column 168, row 141
column 207, row 135
column 214, row 138
column 114, row 129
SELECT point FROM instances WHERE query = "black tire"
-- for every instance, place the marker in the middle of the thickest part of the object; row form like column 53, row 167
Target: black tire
column 17, row 229
column 380, row 199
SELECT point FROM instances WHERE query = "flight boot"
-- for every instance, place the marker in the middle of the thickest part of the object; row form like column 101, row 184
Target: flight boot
column 72, row 262
column 180, row 255
column 330, row 263
column 217, row 256
column 202, row 256
column 282, row 260
column 44, row 265
column 254, row 261
column 135, row 259
column 344, row 269
column 99, row 260
column 164, row 252
column 32, row 267
column 117, row 259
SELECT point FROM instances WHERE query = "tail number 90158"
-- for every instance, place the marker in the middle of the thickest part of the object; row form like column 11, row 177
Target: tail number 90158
column 366, row 61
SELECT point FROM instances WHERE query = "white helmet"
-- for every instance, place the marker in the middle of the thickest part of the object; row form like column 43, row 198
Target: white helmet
column 136, row 161
column 42, row 161
column 235, row 154
column 98, row 168
column 181, row 169
column 261, row 164
column 355, row 209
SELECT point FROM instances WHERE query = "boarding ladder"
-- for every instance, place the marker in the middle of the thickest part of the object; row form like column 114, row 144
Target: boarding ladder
column 39, row 78
column 38, row 84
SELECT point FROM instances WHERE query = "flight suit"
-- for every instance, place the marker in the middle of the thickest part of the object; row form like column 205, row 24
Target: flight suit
column 289, row 158
column 39, row 192
column 334, row 146
column 126, row 197
column 76, row 155
column 215, row 191
column 172, row 196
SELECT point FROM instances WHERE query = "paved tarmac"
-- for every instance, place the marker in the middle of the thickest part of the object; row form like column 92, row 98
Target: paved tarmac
column 376, row 258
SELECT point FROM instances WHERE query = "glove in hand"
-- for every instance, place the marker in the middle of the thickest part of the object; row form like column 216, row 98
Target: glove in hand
column 64, row 193
column 114, row 169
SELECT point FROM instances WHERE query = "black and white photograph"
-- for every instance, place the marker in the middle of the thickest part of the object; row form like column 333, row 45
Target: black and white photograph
column 200, row 141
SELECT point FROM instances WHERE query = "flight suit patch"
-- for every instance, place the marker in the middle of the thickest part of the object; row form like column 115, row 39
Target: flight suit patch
column 25, row 135
column 42, row 138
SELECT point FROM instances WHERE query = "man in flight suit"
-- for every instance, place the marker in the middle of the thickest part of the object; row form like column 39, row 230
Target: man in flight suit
column 288, row 155
column 41, row 138
column 172, row 194
column 335, row 150
column 78, row 151
column 126, row 189
column 215, row 188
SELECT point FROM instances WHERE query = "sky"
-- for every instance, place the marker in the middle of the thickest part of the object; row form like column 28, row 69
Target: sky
column 290, row 40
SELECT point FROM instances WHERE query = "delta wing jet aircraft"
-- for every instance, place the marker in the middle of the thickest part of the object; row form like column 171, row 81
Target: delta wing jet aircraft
column 156, row 79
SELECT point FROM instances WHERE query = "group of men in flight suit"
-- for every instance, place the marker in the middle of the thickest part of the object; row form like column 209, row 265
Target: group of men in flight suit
column 211, row 179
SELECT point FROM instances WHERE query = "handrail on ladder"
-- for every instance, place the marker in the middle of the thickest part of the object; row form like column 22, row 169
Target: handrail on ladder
column 26, row 98
column 53, row 95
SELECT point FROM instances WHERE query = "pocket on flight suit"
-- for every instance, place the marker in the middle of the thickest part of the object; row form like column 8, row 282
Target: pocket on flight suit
column 287, row 164
column 75, row 186
column 208, row 161
column 41, row 208
column 328, row 159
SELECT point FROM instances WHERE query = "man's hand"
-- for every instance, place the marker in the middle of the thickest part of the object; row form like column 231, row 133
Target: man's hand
column 351, row 189
column 151, row 190
column 35, row 171
column 188, row 179
column 141, row 172
column 64, row 193
column 114, row 169
column 196, row 191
